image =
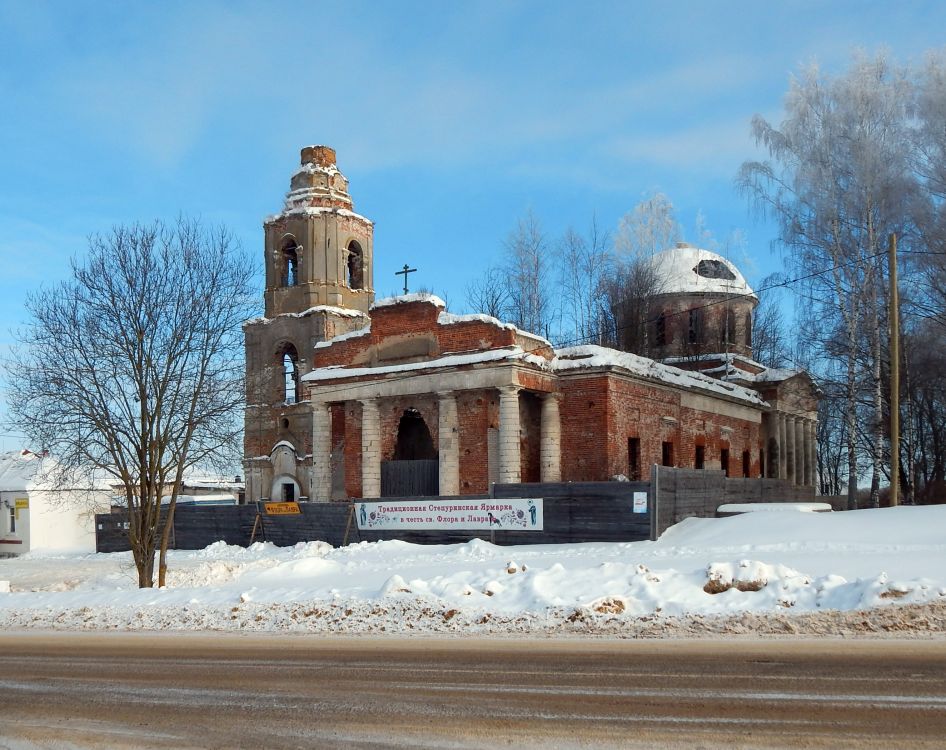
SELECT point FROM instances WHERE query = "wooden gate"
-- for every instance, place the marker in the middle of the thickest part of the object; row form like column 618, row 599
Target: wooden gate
column 410, row 478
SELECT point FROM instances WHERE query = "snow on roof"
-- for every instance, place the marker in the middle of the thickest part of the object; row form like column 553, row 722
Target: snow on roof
column 283, row 444
column 774, row 507
column 729, row 370
column 17, row 470
column 448, row 360
column 341, row 311
column 21, row 471
column 577, row 357
column 312, row 168
column 314, row 211
column 686, row 269
column 446, row 318
column 343, row 337
column 403, row 299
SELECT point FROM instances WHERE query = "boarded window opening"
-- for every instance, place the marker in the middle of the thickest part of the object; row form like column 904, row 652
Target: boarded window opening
column 746, row 461
column 699, row 461
column 634, row 458
column 667, row 453
column 724, row 460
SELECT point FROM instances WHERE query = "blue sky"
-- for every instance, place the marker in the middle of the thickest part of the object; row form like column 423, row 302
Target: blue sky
column 451, row 120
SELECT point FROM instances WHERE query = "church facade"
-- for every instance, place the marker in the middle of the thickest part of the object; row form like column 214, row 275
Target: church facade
column 351, row 397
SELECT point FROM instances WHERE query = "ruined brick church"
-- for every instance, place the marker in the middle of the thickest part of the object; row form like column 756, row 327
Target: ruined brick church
column 349, row 397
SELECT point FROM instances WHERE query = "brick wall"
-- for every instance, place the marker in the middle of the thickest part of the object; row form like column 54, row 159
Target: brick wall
column 477, row 411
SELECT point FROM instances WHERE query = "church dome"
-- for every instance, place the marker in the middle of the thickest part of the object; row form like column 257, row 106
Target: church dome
column 685, row 269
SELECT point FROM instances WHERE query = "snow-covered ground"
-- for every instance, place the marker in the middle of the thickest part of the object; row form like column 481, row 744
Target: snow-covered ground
column 744, row 569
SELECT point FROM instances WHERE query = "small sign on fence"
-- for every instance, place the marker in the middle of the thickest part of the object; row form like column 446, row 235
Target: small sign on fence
column 518, row 514
column 282, row 509
column 640, row 502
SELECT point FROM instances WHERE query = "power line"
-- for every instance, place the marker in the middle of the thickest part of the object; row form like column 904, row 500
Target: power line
column 777, row 285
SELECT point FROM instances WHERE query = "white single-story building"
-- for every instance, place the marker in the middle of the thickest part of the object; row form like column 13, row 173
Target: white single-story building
column 36, row 516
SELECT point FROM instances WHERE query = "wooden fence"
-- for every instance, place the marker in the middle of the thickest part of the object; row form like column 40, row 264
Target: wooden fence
column 686, row 493
column 573, row 512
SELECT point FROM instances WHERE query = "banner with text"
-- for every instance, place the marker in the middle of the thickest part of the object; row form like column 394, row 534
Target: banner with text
column 519, row 514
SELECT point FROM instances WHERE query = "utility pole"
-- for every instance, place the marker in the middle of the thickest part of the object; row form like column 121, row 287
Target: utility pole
column 894, row 316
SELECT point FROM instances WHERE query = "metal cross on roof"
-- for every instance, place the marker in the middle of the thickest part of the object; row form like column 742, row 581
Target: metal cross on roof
column 404, row 271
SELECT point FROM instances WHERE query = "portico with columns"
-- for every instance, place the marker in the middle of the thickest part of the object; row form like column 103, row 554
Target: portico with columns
column 348, row 396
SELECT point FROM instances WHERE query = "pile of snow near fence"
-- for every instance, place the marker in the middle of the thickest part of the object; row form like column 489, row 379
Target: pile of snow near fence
column 764, row 572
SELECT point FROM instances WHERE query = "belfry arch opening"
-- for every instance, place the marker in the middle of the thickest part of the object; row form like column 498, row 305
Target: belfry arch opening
column 414, row 442
column 289, row 360
column 355, row 266
column 289, row 262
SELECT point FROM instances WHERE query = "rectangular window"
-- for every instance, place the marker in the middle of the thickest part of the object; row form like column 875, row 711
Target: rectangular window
column 700, row 459
column 12, row 520
column 745, row 464
column 761, row 462
column 667, row 454
column 634, row 458
column 288, row 492
column 724, row 460
column 694, row 332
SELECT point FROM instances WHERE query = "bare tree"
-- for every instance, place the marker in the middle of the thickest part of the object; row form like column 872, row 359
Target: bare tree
column 489, row 293
column 633, row 282
column 838, row 183
column 132, row 367
column 769, row 343
column 585, row 266
column 527, row 270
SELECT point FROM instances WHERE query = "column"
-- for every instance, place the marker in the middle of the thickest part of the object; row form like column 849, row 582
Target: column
column 510, row 465
column 801, row 453
column 770, row 438
column 321, row 452
column 792, row 452
column 449, row 445
column 550, row 447
column 812, row 453
column 254, row 483
column 370, row 449
column 782, row 447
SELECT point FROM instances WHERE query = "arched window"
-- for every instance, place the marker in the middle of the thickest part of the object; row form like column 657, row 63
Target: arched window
column 730, row 332
column 660, row 332
column 695, row 331
column 290, row 262
column 355, row 266
column 289, row 360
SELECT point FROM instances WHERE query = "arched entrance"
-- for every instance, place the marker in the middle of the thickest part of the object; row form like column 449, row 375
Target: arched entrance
column 414, row 470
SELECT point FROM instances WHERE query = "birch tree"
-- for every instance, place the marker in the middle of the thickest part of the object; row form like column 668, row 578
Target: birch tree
column 133, row 367
column 838, row 183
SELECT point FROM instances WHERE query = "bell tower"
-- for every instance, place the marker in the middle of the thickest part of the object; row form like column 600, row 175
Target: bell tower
column 319, row 271
column 318, row 250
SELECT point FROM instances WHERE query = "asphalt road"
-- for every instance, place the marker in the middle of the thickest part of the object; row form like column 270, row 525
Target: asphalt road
column 213, row 691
